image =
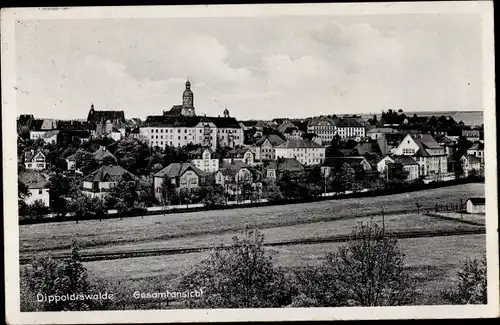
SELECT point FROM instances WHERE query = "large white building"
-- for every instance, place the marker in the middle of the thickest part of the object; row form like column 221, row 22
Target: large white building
column 306, row 152
column 324, row 128
column 180, row 126
column 204, row 159
column 350, row 128
column 430, row 156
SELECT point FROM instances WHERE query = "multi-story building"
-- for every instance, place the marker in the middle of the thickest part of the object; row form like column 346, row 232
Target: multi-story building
column 477, row 150
column 35, row 160
column 180, row 126
column 204, row 159
column 472, row 135
column 37, row 187
column 429, row 155
column 101, row 123
column 324, row 128
column 180, row 177
column 350, row 128
column 409, row 164
column 264, row 147
column 244, row 155
column 306, row 152
column 102, row 181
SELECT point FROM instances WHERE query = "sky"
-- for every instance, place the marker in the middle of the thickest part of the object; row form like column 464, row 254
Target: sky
column 257, row 67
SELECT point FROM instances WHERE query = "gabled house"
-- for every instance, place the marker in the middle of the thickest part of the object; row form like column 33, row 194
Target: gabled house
column 35, row 160
column 51, row 136
column 264, row 147
column 102, row 181
column 290, row 166
column 336, row 163
column 179, row 176
column 477, row 150
column 37, row 185
column 430, row 156
column 233, row 173
column 102, row 153
column 244, row 155
column 476, row 205
column 409, row 164
column 205, row 159
column 71, row 162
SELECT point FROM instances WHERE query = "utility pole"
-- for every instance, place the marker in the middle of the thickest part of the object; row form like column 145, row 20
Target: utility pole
column 383, row 221
column 461, row 210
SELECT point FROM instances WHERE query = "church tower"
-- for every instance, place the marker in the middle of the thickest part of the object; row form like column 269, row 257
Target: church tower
column 188, row 101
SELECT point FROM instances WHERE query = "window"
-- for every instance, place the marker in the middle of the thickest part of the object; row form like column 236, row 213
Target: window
column 179, row 136
column 40, row 191
column 185, row 130
column 194, row 180
column 185, row 137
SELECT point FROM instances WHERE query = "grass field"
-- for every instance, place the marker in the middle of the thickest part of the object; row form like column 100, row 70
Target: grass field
column 285, row 221
column 433, row 261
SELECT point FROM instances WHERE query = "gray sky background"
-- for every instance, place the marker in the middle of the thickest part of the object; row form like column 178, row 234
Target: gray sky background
column 259, row 67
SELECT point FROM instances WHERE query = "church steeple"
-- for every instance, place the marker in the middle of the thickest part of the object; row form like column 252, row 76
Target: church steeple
column 188, row 100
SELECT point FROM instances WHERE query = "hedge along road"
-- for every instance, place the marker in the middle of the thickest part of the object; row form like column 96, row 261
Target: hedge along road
column 55, row 237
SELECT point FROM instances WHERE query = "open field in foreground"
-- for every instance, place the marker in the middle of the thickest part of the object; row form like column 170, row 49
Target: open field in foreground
column 199, row 227
column 433, row 261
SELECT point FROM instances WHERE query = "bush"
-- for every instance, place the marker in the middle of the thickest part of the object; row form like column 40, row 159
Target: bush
column 368, row 271
column 472, row 283
column 241, row 276
column 46, row 276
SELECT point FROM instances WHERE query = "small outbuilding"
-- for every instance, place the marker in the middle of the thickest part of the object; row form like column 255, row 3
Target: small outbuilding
column 476, row 205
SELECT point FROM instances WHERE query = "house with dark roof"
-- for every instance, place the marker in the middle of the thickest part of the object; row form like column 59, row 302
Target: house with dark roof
column 350, row 128
column 102, row 181
column 178, row 176
column 37, row 184
column 264, row 147
column 103, row 153
column 476, row 205
column 35, row 160
column 409, row 164
column 336, row 163
column 477, row 150
column 290, row 166
column 101, row 123
column 205, row 159
column 376, row 132
column 430, row 156
column 244, row 155
column 236, row 177
column 363, row 148
column 306, row 152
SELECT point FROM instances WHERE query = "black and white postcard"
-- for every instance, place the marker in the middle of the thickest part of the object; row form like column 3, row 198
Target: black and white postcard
column 249, row 162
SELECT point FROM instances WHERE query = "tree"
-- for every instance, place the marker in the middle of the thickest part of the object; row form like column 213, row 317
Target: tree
column 472, row 283
column 133, row 155
column 82, row 207
column 59, row 187
column 396, row 172
column 46, row 276
column 85, row 162
column 347, row 176
column 368, row 271
column 37, row 210
column 271, row 191
column 240, row 276
column 212, row 195
column 124, row 194
column 109, row 160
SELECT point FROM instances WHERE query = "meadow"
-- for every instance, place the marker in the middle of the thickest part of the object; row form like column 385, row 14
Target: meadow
column 287, row 221
column 432, row 261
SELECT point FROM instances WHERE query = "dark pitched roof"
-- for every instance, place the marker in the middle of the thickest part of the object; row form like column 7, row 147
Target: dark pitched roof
column 337, row 162
column 477, row 200
column 103, row 116
column 189, row 121
column 50, row 133
column 404, row 160
column 177, row 169
column 349, row 122
column 33, row 179
column 102, row 153
column 286, row 164
column 225, row 122
column 174, row 111
column 232, row 168
column 237, row 153
column 477, row 146
column 28, row 155
column 299, row 143
column 109, row 173
column 366, row 147
column 199, row 152
column 274, row 139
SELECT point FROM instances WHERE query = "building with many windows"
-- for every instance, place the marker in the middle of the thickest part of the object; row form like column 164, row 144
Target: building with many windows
column 350, row 128
column 324, row 128
column 178, row 177
column 204, row 159
column 306, row 152
column 264, row 147
column 430, row 156
column 180, row 126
